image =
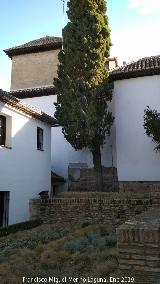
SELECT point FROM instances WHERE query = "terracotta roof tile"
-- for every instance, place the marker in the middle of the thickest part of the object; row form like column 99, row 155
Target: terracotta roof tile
column 19, row 105
column 146, row 66
column 41, row 44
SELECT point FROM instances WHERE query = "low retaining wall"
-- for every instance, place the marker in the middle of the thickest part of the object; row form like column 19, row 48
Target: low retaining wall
column 94, row 208
column 139, row 186
column 139, row 243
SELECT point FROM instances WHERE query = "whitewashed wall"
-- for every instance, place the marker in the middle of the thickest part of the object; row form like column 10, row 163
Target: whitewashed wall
column 62, row 152
column 136, row 158
column 24, row 170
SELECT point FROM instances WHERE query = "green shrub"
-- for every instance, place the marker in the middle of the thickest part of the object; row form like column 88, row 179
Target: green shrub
column 36, row 239
column 111, row 240
column 103, row 230
column 5, row 231
column 90, row 241
column 86, row 224
column 104, row 269
column 80, row 245
column 96, row 240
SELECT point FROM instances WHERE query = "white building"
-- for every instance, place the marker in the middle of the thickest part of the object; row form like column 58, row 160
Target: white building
column 25, row 157
column 136, row 85
column 34, row 66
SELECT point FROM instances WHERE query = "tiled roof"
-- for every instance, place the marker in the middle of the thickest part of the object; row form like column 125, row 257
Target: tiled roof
column 41, row 44
column 33, row 92
column 146, row 66
column 19, row 105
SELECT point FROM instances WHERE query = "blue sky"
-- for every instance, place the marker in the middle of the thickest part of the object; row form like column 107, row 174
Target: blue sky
column 134, row 25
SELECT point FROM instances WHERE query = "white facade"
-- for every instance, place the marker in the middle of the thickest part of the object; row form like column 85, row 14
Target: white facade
column 136, row 158
column 62, row 153
column 132, row 150
column 24, row 170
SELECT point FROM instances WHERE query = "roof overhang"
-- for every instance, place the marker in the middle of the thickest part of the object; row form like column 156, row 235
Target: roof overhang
column 148, row 66
column 39, row 45
column 34, row 92
column 19, row 105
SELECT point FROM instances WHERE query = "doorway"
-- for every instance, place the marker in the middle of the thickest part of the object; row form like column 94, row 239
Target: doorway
column 4, row 208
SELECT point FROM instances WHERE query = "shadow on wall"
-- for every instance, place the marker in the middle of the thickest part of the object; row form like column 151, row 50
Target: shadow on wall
column 63, row 153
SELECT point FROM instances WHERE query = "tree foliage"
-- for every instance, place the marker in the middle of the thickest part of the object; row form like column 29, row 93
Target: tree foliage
column 152, row 126
column 82, row 85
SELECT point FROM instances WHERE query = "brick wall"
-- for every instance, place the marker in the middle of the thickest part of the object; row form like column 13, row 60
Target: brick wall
column 79, row 208
column 139, row 244
column 34, row 208
column 139, row 186
column 87, row 181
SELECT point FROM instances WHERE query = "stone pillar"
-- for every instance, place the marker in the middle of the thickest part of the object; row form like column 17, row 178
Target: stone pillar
column 34, row 209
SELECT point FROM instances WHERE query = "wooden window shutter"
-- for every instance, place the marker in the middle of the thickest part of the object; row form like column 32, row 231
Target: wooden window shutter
column 2, row 130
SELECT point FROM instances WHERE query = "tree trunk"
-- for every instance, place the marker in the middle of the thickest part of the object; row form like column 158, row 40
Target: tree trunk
column 96, row 152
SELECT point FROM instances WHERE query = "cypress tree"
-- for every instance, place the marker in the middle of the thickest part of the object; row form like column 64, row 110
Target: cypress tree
column 83, row 89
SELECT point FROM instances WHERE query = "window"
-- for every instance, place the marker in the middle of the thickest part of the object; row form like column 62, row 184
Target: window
column 2, row 130
column 39, row 138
